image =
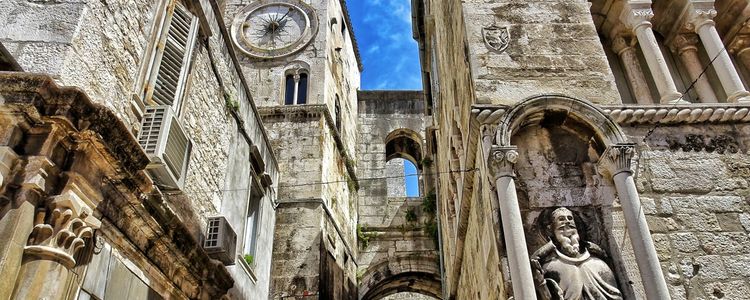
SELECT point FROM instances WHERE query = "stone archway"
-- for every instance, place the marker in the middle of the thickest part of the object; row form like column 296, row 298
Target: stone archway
column 408, row 273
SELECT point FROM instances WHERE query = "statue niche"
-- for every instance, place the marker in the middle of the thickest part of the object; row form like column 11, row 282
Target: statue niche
column 569, row 266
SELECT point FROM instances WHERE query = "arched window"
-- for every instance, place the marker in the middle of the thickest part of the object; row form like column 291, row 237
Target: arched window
column 403, row 151
column 295, row 88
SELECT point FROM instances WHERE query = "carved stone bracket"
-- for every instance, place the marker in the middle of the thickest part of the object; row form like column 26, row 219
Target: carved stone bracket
column 616, row 159
column 64, row 232
column 502, row 161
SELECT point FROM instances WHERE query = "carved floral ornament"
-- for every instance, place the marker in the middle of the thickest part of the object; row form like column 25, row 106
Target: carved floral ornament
column 617, row 159
column 66, row 230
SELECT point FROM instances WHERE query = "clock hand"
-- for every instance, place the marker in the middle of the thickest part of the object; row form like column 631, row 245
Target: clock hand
column 285, row 15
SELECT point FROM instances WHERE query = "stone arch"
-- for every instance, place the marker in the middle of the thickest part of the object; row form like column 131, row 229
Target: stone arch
column 560, row 143
column 534, row 110
column 404, row 143
column 416, row 273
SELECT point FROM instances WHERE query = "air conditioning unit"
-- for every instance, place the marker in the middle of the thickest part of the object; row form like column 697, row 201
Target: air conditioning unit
column 220, row 240
column 167, row 146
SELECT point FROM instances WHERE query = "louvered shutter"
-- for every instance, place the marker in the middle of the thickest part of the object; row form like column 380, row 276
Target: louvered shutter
column 174, row 62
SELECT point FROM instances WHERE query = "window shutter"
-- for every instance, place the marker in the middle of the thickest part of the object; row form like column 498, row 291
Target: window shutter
column 175, row 57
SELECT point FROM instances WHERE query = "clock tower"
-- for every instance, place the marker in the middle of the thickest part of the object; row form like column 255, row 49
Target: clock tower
column 301, row 61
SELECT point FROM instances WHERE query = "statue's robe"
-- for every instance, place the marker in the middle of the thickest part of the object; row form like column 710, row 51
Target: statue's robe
column 582, row 278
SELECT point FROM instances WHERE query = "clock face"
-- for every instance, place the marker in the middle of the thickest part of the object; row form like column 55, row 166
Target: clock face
column 270, row 29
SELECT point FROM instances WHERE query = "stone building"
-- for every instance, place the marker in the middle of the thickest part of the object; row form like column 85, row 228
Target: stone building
column 134, row 164
column 633, row 115
column 561, row 147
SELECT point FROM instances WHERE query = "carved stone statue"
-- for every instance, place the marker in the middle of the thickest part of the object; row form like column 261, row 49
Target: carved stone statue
column 569, row 268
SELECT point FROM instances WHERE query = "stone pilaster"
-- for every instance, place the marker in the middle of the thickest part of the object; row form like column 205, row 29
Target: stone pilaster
column 60, row 230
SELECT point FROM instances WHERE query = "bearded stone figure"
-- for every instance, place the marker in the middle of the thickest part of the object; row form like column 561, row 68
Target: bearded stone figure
column 569, row 268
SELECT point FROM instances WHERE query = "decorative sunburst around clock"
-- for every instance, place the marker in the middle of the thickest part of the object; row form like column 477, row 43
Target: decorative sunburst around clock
column 274, row 28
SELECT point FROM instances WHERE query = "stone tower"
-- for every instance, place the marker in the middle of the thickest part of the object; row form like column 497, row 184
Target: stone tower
column 302, row 65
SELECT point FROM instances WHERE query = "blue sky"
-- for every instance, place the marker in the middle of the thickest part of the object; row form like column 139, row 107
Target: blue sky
column 389, row 52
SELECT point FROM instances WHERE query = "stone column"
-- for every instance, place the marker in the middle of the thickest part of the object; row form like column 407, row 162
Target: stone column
column 637, row 17
column 501, row 162
column 686, row 46
column 627, row 53
column 701, row 16
column 60, row 230
column 617, row 160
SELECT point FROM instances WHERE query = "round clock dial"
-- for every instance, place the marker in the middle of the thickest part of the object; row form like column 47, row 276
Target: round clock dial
column 269, row 29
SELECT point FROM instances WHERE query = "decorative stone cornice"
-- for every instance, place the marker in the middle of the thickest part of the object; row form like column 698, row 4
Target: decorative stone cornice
column 675, row 114
column 617, row 159
column 502, row 161
column 66, row 230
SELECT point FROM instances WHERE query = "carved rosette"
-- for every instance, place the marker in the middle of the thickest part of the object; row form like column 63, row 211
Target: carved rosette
column 68, row 227
column 502, row 161
column 617, row 159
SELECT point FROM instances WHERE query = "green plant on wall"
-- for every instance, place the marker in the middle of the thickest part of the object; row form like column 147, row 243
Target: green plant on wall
column 411, row 215
column 231, row 103
column 363, row 237
column 428, row 204
column 249, row 259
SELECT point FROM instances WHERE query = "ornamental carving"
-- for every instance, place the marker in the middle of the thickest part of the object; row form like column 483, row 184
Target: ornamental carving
column 496, row 38
column 617, row 158
column 502, row 161
column 569, row 267
column 69, row 225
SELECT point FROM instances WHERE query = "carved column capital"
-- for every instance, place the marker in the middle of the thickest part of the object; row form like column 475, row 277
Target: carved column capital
column 617, row 159
column 502, row 161
column 622, row 42
column 637, row 14
column 740, row 43
column 701, row 13
column 62, row 229
column 684, row 42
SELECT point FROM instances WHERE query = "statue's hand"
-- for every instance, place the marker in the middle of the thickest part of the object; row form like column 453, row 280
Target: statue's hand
column 536, row 267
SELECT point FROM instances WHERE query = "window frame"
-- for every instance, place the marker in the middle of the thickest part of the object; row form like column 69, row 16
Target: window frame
column 297, row 76
column 255, row 190
column 154, row 58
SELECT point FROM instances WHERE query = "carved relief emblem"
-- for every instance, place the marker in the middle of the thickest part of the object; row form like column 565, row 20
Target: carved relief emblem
column 496, row 37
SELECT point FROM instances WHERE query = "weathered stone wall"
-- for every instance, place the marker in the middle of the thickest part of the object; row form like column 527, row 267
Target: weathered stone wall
column 102, row 48
column 694, row 187
column 553, row 48
column 392, row 227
